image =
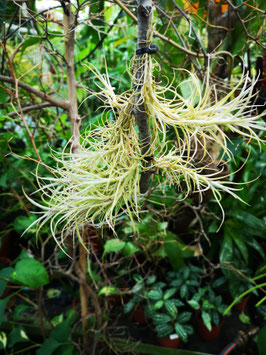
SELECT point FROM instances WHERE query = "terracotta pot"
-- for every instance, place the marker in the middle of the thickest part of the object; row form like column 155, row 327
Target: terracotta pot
column 167, row 342
column 204, row 331
column 242, row 304
column 138, row 315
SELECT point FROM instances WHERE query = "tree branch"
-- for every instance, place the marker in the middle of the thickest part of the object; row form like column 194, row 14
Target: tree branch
column 63, row 104
column 141, row 117
column 31, row 108
column 74, row 118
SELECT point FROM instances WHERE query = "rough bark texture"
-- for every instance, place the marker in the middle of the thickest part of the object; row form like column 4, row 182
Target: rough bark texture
column 142, row 119
column 69, row 32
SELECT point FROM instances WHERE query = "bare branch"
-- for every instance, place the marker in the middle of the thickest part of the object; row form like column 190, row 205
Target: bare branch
column 54, row 102
column 31, row 108
column 74, row 118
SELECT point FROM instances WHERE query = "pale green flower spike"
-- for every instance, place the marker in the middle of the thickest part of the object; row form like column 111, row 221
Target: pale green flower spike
column 102, row 180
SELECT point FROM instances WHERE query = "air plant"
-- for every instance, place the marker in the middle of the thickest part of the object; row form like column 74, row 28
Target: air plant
column 101, row 182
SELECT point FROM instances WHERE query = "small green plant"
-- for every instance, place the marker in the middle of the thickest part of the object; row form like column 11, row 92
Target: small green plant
column 186, row 280
column 140, row 291
column 164, row 312
column 210, row 306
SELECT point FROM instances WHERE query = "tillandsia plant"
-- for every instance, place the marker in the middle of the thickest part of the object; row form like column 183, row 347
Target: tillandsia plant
column 210, row 306
column 102, row 180
column 164, row 310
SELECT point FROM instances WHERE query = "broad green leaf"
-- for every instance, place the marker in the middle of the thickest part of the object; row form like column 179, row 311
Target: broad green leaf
column 150, row 280
column 184, row 317
column 5, row 273
column 226, row 250
column 180, row 331
column 3, row 340
column 206, row 320
column 17, row 335
column 3, row 304
column 261, row 342
column 48, row 347
column 108, row 290
column 171, row 308
column 129, row 306
column 156, row 294
column 113, row 245
column 161, row 318
column 3, row 95
column 129, row 249
column 29, row 42
column 169, row 293
column 163, row 330
column 23, row 222
column 188, row 329
column 184, row 291
column 173, row 252
column 194, row 304
column 31, row 273
column 66, row 349
column 158, row 304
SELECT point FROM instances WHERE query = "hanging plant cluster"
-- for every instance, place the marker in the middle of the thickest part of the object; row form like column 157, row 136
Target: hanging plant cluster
column 101, row 181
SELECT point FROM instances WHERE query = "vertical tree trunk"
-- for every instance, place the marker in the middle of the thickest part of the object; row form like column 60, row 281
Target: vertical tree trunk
column 74, row 118
column 142, row 119
column 69, row 35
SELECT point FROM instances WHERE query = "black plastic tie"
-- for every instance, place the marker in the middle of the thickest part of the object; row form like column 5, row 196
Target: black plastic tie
column 152, row 49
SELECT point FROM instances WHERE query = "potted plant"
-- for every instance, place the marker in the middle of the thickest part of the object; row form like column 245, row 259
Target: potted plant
column 169, row 322
column 209, row 310
column 186, row 280
column 136, row 304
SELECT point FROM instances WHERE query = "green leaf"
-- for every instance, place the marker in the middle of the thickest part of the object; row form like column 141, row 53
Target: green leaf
column 108, row 290
column 5, row 273
column 184, row 291
column 161, row 318
column 3, row 340
column 261, row 342
column 188, row 91
column 129, row 306
column 173, row 252
column 31, row 273
column 3, row 95
column 23, row 222
column 129, row 249
column 29, row 42
column 158, row 304
column 171, row 308
column 163, row 330
column 206, row 320
column 48, row 347
column 180, row 331
column 114, row 245
column 218, row 282
column 169, row 293
column 184, row 317
column 66, row 349
column 194, row 304
column 150, row 280
column 215, row 318
column 17, row 335
column 226, row 250
column 3, row 304
column 257, row 225
column 188, row 329
column 155, row 294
